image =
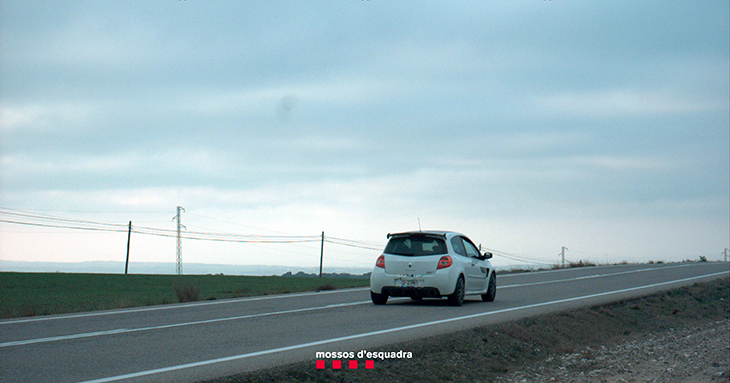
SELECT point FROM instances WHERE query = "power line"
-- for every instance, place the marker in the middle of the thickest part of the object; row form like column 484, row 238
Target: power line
column 74, row 224
column 42, row 220
column 39, row 220
column 121, row 230
column 237, row 224
column 17, row 214
column 524, row 260
column 353, row 243
column 520, row 258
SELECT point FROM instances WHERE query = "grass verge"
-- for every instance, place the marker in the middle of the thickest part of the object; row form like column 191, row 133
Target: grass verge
column 31, row 294
column 484, row 354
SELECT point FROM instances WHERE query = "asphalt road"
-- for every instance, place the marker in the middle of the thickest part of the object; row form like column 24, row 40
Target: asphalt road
column 191, row 342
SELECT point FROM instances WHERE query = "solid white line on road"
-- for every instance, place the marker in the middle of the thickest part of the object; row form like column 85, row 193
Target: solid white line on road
column 657, row 266
column 124, row 330
column 590, row 276
column 179, row 306
column 64, row 337
column 381, row 332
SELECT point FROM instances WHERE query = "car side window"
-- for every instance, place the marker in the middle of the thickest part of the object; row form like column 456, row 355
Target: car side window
column 471, row 250
column 458, row 246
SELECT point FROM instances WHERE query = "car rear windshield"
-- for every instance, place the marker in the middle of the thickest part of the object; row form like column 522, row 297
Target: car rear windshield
column 416, row 245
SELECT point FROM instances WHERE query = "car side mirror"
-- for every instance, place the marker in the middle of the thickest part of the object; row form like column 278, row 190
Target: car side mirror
column 487, row 255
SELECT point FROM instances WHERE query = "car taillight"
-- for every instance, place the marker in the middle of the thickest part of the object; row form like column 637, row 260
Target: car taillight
column 380, row 262
column 445, row 262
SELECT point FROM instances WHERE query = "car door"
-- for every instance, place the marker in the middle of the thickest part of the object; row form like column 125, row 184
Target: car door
column 477, row 277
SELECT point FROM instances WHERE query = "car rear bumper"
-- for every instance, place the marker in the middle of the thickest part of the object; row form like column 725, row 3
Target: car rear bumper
column 413, row 292
column 435, row 285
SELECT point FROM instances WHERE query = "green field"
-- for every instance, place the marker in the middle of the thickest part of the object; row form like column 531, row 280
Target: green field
column 30, row 294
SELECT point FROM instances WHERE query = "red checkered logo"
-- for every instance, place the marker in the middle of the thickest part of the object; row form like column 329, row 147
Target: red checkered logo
column 351, row 364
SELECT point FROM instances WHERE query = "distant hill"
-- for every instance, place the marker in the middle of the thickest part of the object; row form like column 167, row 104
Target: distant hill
column 302, row 274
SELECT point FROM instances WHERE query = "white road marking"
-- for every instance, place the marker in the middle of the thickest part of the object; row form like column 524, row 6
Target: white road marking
column 124, row 330
column 567, row 269
column 381, row 332
column 64, row 337
column 589, row 277
column 178, row 306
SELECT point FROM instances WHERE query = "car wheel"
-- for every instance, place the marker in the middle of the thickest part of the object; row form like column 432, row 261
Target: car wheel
column 491, row 290
column 457, row 298
column 379, row 299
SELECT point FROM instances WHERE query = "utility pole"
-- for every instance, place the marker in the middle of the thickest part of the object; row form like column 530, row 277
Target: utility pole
column 727, row 254
column 129, row 239
column 321, row 255
column 179, row 243
column 562, row 254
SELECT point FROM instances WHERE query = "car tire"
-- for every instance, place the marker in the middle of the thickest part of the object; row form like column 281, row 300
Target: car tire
column 457, row 298
column 491, row 289
column 379, row 299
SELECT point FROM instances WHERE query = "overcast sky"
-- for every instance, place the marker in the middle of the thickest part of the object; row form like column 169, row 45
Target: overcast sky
column 601, row 126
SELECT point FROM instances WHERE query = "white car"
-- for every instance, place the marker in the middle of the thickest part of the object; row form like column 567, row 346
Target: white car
column 432, row 264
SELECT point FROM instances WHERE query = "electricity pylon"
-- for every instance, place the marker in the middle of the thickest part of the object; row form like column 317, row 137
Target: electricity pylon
column 179, row 243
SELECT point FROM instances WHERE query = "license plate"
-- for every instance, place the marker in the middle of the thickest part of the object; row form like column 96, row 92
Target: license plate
column 411, row 282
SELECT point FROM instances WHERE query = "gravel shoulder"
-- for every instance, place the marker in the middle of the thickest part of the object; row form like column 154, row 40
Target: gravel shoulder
column 696, row 354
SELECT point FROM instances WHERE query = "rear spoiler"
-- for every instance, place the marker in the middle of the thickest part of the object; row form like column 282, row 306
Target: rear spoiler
column 390, row 235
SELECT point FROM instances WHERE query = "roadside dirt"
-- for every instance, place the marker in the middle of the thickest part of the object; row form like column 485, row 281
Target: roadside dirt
column 688, row 355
